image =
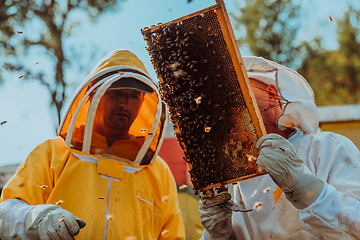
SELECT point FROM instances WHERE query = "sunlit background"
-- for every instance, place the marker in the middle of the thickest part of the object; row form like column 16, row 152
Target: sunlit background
column 47, row 48
column 26, row 116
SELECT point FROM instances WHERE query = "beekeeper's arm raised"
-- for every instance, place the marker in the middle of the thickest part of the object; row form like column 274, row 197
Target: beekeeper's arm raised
column 331, row 207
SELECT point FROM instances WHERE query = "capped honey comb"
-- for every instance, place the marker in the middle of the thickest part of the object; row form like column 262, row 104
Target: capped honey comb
column 205, row 86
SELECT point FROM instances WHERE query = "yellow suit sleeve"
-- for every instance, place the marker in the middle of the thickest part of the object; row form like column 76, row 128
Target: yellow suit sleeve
column 35, row 177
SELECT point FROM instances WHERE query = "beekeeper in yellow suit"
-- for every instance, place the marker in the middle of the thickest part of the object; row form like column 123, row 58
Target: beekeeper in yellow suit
column 312, row 190
column 101, row 178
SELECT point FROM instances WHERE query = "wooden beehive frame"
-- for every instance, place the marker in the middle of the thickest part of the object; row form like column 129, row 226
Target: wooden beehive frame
column 240, row 70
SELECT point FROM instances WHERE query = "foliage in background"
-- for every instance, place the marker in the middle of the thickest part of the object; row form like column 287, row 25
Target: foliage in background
column 271, row 28
column 335, row 75
column 53, row 15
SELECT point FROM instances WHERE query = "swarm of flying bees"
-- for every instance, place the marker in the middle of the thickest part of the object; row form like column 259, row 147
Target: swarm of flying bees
column 199, row 84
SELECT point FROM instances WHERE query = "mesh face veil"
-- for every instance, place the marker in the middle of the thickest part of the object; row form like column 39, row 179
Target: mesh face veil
column 119, row 70
column 299, row 109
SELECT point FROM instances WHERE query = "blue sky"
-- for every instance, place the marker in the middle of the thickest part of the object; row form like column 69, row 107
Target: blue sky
column 25, row 105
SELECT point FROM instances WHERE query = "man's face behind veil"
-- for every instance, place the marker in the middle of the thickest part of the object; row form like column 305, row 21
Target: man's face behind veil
column 117, row 110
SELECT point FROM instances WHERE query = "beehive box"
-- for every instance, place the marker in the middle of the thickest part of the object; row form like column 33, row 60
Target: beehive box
column 205, row 86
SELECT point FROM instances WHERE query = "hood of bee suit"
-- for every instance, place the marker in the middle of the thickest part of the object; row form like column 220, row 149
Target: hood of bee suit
column 300, row 110
column 146, row 132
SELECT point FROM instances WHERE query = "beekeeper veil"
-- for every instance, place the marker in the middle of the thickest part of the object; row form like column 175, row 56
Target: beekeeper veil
column 120, row 69
column 299, row 110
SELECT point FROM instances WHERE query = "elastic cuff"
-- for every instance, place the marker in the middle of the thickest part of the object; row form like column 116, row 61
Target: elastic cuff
column 306, row 191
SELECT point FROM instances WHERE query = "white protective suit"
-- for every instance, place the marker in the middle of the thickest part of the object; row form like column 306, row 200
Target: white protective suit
column 331, row 157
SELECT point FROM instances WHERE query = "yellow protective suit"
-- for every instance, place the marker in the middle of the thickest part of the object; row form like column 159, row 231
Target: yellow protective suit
column 124, row 191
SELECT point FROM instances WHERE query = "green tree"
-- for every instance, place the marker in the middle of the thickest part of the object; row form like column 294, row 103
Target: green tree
column 270, row 29
column 335, row 75
column 53, row 15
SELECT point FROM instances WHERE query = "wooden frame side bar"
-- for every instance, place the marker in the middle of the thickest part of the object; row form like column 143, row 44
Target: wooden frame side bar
column 240, row 69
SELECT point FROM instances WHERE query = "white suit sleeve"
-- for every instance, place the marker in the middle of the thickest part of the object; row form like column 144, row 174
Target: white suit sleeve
column 13, row 213
column 336, row 212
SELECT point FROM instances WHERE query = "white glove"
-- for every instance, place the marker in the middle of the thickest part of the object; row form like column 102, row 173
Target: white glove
column 51, row 222
column 278, row 157
column 215, row 217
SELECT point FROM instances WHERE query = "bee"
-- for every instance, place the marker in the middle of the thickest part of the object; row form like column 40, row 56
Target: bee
column 61, row 219
column 251, row 158
column 226, row 150
column 198, row 100
column 257, row 206
column 19, row 32
column 3, row 122
column 164, row 232
column 101, row 198
column 43, row 186
column 330, row 18
column 59, row 202
column 207, row 129
column 21, row 76
column 183, row 187
column 266, row 189
column 143, row 131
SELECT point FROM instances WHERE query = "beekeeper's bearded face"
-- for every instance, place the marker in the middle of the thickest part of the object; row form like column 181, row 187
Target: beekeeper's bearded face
column 267, row 98
column 117, row 110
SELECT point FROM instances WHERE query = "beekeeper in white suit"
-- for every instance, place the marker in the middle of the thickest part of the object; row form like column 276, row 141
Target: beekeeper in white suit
column 312, row 190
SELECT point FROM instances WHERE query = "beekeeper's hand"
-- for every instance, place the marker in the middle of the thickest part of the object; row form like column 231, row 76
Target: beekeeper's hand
column 51, row 222
column 215, row 217
column 278, row 157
